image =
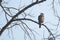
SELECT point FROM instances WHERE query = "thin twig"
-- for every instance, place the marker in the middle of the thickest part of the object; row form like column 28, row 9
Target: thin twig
column 20, row 12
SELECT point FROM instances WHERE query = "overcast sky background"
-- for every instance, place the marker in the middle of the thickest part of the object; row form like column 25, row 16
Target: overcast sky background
column 45, row 7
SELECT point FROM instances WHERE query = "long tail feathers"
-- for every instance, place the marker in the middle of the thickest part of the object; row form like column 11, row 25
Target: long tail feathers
column 39, row 26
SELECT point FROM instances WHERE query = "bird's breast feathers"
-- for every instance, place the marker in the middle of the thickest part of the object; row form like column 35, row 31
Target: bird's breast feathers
column 42, row 19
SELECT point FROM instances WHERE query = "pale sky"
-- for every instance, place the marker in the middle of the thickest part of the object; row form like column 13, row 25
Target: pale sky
column 45, row 7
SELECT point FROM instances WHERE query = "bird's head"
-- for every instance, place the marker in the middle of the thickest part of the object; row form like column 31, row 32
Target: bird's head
column 41, row 14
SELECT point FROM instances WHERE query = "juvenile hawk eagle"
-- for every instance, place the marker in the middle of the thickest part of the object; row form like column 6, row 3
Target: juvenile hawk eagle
column 40, row 19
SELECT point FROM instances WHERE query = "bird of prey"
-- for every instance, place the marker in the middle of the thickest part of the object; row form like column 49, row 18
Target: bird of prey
column 40, row 19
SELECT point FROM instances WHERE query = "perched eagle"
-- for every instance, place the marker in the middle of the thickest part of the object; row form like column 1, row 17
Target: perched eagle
column 40, row 19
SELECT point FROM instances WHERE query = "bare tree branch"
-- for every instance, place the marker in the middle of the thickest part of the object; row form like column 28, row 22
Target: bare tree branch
column 36, row 23
column 34, row 3
column 5, row 11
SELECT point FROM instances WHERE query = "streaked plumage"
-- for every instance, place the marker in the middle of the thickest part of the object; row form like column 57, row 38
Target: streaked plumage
column 40, row 19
